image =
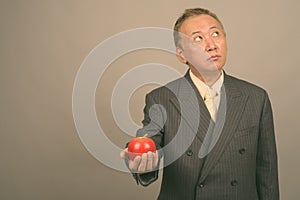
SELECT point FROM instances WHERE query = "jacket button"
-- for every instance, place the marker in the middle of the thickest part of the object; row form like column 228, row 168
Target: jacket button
column 242, row 151
column 234, row 183
column 189, row 153
column 201, row 185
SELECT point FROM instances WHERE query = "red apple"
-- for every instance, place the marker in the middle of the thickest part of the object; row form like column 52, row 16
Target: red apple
column 139, row 145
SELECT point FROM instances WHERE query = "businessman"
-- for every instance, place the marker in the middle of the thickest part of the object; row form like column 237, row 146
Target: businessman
column 215, row 132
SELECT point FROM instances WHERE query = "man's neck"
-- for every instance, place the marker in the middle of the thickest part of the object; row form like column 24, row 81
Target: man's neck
column 209, row 78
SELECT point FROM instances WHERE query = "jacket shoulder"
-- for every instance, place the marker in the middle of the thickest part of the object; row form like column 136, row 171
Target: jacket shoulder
column 245, row 86
column 170, row 89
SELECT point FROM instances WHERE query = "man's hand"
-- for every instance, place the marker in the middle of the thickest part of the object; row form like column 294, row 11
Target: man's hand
column 145, row 163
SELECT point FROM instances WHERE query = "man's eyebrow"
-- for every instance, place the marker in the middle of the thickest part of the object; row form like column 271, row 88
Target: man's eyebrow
column 196, row 32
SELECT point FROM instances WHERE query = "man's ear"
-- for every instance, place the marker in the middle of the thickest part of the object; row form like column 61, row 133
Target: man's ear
column 180, row 56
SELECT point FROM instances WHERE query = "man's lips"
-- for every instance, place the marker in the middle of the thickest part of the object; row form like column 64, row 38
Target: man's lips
column 214, row 58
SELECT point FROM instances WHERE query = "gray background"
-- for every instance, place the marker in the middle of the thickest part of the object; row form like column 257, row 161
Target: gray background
column 43, row 44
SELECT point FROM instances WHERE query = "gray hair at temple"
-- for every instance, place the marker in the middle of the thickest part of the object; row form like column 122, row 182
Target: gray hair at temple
column 191, row 12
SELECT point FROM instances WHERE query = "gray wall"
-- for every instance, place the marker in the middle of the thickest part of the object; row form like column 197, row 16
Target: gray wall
column 43, row 44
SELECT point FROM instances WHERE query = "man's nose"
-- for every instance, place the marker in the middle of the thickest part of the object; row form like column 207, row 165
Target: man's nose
column 210, row 44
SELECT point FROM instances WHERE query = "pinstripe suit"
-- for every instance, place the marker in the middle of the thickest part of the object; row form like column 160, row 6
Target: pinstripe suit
column 241, row 165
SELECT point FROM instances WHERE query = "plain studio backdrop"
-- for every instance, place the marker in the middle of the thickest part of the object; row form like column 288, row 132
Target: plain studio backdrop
column 43, row 44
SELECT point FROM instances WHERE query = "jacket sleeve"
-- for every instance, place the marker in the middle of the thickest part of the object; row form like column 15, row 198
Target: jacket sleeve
column 153, row 126
column 267, row 167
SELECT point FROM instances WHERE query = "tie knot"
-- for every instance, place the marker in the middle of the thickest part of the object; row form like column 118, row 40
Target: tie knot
column 210, row 94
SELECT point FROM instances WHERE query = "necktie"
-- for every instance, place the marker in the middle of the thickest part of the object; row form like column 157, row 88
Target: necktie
column 209, row 102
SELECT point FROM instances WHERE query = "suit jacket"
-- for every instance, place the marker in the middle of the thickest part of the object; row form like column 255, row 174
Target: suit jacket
column 234, row 159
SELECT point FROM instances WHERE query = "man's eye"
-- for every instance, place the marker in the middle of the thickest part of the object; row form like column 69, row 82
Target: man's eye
column 215, row 34
column 198, row 38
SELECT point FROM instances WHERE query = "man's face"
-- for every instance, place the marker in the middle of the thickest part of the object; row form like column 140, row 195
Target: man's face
column 203, row 43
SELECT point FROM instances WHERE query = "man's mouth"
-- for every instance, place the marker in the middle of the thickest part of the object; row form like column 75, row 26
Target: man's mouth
column 214, row 58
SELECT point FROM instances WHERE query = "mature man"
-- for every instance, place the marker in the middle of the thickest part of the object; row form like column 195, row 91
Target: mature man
column 215, row 132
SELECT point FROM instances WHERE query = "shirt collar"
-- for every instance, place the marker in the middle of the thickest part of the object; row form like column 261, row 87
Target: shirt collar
column 203, row 88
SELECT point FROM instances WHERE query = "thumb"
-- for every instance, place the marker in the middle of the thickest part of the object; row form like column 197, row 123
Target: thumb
column 123, row 153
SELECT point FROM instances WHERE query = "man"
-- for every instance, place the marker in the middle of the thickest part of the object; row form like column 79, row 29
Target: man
column 223, row 129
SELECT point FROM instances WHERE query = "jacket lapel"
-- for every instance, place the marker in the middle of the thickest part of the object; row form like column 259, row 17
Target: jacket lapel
column 235, row 102
column 191, row 106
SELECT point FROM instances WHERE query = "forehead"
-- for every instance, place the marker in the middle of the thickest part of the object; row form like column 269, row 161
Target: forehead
column 201, row 23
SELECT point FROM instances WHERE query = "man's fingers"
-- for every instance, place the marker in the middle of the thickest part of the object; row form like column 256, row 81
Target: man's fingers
column 143, row 163
column 134, row 164
column 155, row 160
column 150, row 158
